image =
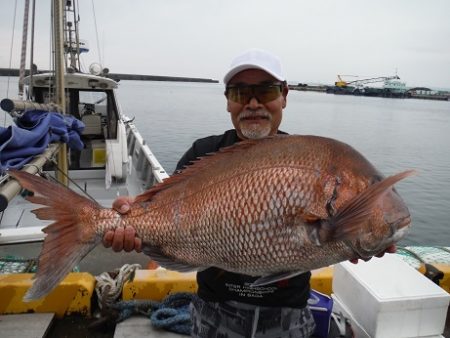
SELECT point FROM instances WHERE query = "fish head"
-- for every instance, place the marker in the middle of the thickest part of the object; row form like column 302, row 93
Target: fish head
column 389, row 222
column 396, row 215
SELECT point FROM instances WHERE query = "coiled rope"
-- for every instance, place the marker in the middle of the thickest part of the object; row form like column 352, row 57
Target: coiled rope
column 172, row 314
column 109, row 285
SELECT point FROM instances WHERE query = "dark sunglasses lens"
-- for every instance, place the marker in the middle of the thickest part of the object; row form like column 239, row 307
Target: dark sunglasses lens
column 239, row 94
column 264, row 94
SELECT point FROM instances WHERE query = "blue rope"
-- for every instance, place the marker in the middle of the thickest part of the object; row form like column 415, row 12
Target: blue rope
column 172, row 314
column 175, row 320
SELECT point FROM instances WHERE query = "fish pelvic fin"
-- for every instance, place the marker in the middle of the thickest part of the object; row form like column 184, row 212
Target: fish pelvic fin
column 167, row 262
column 69, row 238
column 270, row 279
column 347, row 222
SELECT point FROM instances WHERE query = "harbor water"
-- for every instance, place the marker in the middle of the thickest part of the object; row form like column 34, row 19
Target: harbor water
column 394, row 134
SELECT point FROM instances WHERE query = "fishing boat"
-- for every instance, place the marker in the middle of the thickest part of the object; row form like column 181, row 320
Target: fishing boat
column 395, row 86
column 113, row 158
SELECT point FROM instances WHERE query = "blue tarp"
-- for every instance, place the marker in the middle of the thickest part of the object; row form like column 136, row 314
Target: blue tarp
column 33, row 132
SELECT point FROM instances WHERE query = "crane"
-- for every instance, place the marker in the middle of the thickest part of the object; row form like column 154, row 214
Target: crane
column 359, row 83
column 341, row 82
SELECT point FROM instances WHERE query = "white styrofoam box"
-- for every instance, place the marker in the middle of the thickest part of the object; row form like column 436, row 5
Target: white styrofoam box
column 339, row 307
column 389, row 298
column 358, row 331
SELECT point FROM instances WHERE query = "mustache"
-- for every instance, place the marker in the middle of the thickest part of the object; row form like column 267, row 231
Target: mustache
column 254, row 113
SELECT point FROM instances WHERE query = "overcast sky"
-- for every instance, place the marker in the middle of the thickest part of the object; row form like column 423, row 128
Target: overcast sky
column 316, row 40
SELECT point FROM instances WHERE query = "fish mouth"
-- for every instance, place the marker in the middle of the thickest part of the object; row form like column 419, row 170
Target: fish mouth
column 404, row 222
column 400, row 228
column 401, row 223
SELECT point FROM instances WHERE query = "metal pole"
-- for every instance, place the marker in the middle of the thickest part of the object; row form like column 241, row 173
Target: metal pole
column 33, row 15
column 77, row 35
column 24, row 47
column 60, row 96
column 19, row 105
column 12, row 187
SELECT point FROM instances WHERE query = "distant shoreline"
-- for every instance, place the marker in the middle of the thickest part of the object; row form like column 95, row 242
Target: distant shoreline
column 118, row 76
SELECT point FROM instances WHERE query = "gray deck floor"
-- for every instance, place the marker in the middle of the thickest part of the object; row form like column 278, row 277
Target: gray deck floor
column 137, row 327
column 33, row 325
column 39, row 325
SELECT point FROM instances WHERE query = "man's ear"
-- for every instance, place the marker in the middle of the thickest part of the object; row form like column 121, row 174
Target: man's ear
column 284, row 94
column 228, row 102
column 228, row 106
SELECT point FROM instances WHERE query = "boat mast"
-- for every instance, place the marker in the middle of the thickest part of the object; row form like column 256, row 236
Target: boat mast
column 24, row 48
column 32, row 66
column 60, row 97
column 72, row 40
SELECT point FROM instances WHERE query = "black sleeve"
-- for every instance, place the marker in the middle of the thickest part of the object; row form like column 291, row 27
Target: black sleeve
column 186, row 159
column 199, row 148
column 207, row 145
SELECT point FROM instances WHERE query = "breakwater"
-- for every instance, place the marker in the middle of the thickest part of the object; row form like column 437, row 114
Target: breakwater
column 119, row 76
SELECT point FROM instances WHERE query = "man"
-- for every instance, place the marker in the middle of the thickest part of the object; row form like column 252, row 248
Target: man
column 256, row 93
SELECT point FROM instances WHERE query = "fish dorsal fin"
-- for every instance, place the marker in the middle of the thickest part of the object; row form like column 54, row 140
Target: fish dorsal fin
column 198, row 165
column 167, row 183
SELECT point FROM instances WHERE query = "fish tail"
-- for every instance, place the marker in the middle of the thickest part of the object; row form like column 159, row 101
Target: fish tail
column 347, row 222
column 69, row 238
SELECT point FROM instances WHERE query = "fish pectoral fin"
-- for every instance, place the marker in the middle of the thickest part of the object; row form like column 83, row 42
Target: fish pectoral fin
column 167, row 262
column 265, row 280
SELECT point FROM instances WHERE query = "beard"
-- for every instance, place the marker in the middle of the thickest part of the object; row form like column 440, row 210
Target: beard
column 260, row 128
column 254, row 132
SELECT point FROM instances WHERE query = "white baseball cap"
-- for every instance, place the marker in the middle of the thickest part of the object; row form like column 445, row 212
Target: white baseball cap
column 255, row 59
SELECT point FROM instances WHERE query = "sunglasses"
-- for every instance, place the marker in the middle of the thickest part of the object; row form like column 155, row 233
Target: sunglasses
column 263, row 93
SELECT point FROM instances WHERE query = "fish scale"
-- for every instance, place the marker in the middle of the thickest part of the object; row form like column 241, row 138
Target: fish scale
column 272, row 208
column 251, row 237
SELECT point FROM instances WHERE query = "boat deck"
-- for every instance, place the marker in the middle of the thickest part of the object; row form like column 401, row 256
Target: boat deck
column 19, row 224
column 39, row 325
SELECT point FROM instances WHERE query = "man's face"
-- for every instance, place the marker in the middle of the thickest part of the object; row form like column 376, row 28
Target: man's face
column 254, row 119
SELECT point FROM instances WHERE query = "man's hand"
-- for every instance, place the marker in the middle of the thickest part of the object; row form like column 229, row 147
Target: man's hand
column 123, row 238
column 390, row 249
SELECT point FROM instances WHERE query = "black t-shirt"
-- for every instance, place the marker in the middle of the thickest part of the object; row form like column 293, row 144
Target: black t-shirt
column 217, row 285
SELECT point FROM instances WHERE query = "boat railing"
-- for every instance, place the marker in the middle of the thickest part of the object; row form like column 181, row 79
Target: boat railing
column 144, row 161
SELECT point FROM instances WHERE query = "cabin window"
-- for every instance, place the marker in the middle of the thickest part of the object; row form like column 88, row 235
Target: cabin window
column 97, row 107
column 98, row 110
column 99, row 104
